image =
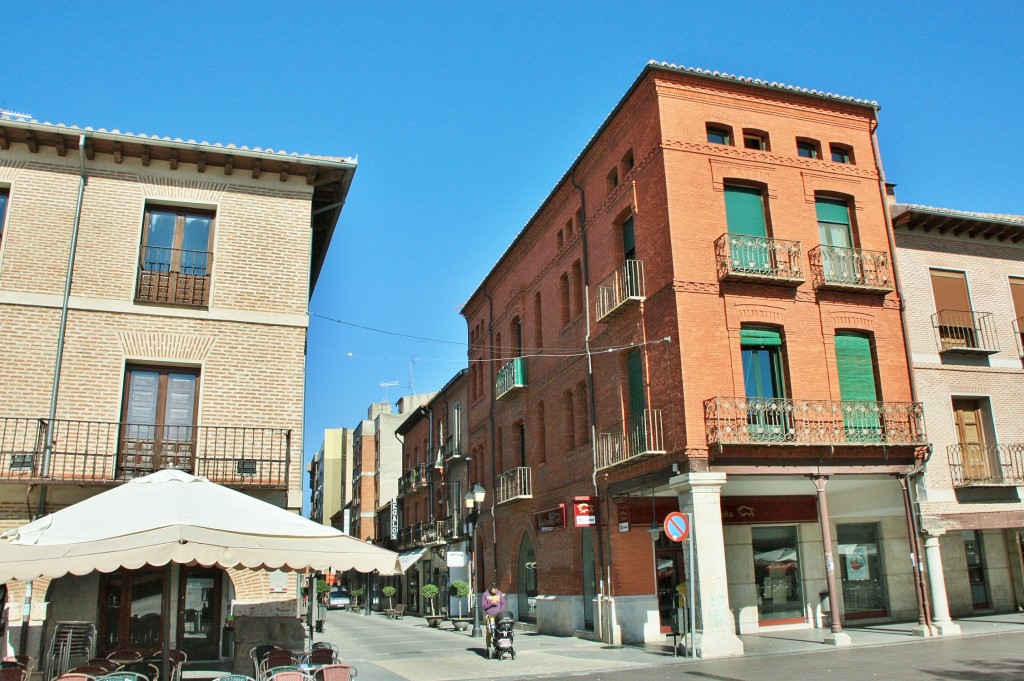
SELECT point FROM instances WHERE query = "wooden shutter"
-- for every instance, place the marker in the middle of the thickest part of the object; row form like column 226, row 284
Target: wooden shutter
column 950, row 291
column 766, row 337
column 744, row 211
column 1017, row 294
column 856, row 368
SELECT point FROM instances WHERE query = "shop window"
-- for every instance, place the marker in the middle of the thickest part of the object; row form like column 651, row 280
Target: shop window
column 176, row 257
column 808, row 148
column 860, row 569
column 719, row 134
column 777, row 574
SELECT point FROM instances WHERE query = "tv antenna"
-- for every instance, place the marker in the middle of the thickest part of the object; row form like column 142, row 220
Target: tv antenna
column 386, row 386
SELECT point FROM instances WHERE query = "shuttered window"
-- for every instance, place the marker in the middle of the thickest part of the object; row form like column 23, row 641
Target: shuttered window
column 744, row 210
column 762, row 362
column 1017, row 293
column 950, row 291
column 858, row 388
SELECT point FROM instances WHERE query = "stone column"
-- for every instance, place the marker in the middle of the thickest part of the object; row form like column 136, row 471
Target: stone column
column 700, row 494
column 941, row 620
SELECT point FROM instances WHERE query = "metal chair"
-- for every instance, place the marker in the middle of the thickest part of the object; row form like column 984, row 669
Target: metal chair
column 336, row 672
column 28, row 663
column 256, row 654
column 318, row 657
column 92, row 669
column 123, row 676
column 270, row 672
column 291, row 676
column 235, row 677
column 125, row 655
column 109, row 665
column 16, row 673
column 75, row 677
column 324, row 644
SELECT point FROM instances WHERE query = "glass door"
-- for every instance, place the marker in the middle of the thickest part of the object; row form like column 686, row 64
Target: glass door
column 860, row 568
column 777, row 575
column 669, row 574
column 199, row 607
column 527, row 581
column 130, row 610
column 976, row 570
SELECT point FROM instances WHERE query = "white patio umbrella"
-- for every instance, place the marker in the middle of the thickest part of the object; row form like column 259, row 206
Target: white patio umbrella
column 171, row 516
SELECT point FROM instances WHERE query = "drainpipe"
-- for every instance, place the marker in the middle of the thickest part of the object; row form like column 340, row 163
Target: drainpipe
column 605, row 585
column 494, row 470
column 924, row 607
column 44, row 468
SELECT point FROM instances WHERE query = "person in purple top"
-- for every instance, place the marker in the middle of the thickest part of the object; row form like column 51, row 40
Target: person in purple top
column 492, row 602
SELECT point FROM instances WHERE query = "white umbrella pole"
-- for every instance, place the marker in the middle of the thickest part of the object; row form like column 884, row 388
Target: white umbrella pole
column 165, row 652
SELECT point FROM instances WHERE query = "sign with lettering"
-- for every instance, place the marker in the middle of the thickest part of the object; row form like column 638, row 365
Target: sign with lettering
column 762, row 509
column 584, row 511
column 394, row 518
column 550, row 519
column 456, row 559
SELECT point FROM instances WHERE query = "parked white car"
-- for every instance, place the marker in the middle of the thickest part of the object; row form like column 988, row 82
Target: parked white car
column 338, row 598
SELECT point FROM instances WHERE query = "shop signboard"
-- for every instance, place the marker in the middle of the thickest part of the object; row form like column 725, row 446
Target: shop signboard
column 550, row 519
column 456, row 559
column 584, row 511
column 763, row 509
column 394, row 518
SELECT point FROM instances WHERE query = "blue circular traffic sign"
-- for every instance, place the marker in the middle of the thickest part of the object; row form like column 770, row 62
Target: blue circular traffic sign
column 677, row 526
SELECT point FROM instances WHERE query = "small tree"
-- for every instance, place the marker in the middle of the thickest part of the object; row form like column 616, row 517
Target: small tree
column 388, row 592
column 430, row 591
column 322, row 587
column 460, row 590
column 356, row 593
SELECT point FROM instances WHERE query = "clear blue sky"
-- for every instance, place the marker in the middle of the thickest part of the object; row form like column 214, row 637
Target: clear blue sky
column 465, row 114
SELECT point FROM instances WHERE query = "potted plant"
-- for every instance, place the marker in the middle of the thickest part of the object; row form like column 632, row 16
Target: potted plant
column 430, row 591
column 389, row 592
column 356, row 593
column 459, row 589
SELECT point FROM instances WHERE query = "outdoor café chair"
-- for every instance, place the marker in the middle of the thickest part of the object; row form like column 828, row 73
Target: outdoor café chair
column 123, row 676
column 235, row 677
column 324, row 644
column 92, row 669
column 13, row 674
column 291, row 676
column 109, row 665
column 271, row 671
column 336, row 672
column 69, row 676
column 256, row 654
column 25, row 661
column 318, row 657
column 124, row 656
column 278, row 657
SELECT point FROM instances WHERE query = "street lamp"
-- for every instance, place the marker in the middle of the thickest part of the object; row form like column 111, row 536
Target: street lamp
column 473, row 500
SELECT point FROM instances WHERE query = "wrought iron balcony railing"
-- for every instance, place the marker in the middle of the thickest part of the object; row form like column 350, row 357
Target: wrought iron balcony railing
column 103, row 451
column 965, row 331
column 638, row 437
column 174, row 276
column 453, row 448
column 413, row 479
column 983, row 464
column 433, row 532
column 511, row 377
column 513, row 484
column 757, row 258
column 850, row 269
column 783, row 421
column 625, row 285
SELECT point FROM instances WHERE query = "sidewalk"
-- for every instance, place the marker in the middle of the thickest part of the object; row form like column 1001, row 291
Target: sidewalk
column 395, row 650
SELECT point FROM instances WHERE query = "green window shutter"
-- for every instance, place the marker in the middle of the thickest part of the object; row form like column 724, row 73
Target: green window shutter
column 766, row 337
column 628, row 239
column 832, row 210
column 634, row 368
column 856, row 368
column 744, row 211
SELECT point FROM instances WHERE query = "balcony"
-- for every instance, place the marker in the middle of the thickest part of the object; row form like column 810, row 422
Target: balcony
column 622, row 288
column 174, row 276
column 433, row 532
column 413, row 479
column 97, row 452
column 981, row 464
column 638, row 437
column 511, row 377
column 850, row 269
column 453, row 448
column 513, row 484
column 758, row 259
column 965, row 331
column 787, row 422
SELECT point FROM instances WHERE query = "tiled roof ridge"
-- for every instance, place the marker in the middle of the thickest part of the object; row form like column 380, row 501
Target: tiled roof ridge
column 775, row 85
column 952, row 212
column 14, row 118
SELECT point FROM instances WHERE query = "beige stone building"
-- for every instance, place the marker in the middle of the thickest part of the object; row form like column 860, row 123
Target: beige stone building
column 963, row 277
column 330, row 479
column 165, row 284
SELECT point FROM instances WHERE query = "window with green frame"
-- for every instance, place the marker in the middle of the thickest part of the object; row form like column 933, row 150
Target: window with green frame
column 764, row 384
column 858, row 387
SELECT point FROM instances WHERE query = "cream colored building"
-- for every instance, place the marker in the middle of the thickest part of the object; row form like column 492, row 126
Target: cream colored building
column 962, row 274
column 330, row 481
column 166, row 284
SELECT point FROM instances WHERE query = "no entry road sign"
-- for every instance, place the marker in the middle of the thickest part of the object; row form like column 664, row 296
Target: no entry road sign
column 677, row 526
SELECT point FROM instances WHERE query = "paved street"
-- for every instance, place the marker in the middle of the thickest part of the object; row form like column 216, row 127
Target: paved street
column 384, row 650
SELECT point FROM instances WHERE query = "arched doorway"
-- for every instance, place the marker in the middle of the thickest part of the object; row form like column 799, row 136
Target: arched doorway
column 527, row 586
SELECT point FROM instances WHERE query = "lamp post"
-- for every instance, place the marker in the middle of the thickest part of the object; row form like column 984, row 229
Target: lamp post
column 473, row 500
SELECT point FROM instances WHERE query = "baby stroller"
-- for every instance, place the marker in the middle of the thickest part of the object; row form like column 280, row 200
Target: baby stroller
column 502, row 635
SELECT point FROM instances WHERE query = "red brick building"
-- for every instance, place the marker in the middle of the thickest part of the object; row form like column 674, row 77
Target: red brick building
column 701, row 316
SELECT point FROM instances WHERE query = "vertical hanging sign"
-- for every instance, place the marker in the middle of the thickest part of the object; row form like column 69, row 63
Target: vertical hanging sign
column 584, row 511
